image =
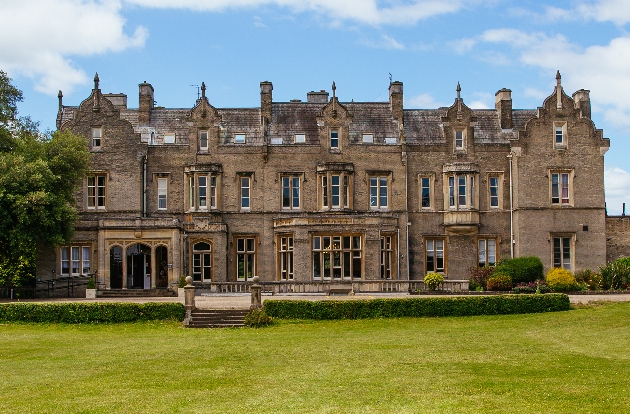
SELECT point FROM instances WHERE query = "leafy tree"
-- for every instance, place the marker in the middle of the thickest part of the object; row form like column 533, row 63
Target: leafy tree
column 38, row 175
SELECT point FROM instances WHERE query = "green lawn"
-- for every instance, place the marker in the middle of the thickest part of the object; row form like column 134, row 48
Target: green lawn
column 567, row 362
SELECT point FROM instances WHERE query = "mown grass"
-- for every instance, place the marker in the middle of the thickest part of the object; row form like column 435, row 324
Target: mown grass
column 567, row 362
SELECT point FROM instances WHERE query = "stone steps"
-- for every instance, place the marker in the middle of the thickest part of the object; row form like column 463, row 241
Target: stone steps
column 217, row 318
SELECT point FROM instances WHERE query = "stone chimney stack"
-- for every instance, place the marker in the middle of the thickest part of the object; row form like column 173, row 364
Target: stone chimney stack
column 503, row 104
column 146, row 103
column 317, row 97
column 396, row 100
column 266, row 98
column 583, row 102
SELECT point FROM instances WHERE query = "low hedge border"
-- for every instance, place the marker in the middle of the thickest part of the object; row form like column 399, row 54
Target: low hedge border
column 90, row 312
column 416, row 307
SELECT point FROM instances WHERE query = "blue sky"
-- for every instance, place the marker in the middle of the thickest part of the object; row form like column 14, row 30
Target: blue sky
column 233, row 45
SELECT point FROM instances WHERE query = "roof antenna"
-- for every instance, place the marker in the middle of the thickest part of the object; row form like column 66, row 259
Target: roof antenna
column 198, row 93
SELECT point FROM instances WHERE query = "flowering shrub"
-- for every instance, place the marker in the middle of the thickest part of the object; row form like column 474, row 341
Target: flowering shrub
column 433, row 280
column 499, row 281
column 561, row 280
column 616, row 275
column 538, row 286
column 589, row 279
column 479, row 277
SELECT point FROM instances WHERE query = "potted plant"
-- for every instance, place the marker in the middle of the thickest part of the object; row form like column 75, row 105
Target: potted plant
column 90, row 289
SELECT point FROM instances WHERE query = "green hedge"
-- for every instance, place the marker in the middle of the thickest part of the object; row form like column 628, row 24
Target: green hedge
column 521, row 269
column 90, row 312
column 417, row 307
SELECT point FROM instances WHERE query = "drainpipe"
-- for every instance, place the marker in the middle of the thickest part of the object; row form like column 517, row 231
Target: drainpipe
column 144, row 186
column 511, row 209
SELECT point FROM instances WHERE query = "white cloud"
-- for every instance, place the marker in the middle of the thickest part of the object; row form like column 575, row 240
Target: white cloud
column 616, row 11
column 36, row 43
column 363, row 11
column 385, row 42
column 422, row 101
column 617, row 183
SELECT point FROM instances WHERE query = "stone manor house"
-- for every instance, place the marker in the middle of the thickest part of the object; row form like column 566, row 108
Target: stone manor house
column 324, row 190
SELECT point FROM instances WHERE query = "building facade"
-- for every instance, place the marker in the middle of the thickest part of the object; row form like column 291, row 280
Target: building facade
column 325, row 190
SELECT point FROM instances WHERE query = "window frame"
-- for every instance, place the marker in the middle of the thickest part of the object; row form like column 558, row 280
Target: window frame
column 241, row 191
column 170, row 134
column 96, row 193
column 335, row 140
column 201, row 140
column 369, row 136
column 434, row 241
column 563, row 239
column 238, row 140
column 453, row 187
column 193, row 193
column 388, row 256
column 285, row 248
column 459, row 148
column 486, row 240
column 563, row 144
column 377, row 194
column 326, row 193
column 430, row 179
column 97, row 141
column 301, row 140
column 559, row 186
column 202, row 265
column 162, row 193
column 81, row 250
column 246, row 252
column 498, row 176
column 291, row 181
column 345, row 261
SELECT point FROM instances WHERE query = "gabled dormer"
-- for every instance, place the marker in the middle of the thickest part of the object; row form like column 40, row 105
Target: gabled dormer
column 206, row 124
column 333, row 121
column 458, row 124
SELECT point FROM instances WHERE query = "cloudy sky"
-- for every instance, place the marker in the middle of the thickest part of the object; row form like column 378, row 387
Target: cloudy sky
column 303, row 45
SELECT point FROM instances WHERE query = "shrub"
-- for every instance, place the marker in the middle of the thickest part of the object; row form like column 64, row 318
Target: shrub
column 90, row 312
column 529, row 287
column 416, row 307
column 257, row 318
column 561, row 280
column 433, row 280
column 521, row 269
column 616, row 275
column 91, row 284
column 479, row 277
column 182, row 281
column 589, row 279
column 499, row 281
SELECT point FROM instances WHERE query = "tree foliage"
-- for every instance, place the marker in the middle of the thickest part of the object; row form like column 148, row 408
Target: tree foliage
column 38, row 175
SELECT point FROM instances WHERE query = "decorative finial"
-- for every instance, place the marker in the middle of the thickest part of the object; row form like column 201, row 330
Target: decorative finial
column 334, row 88
column 96, row 81
column 459, row 89
column 203, row 90
column 558, row 77
column 60, row 96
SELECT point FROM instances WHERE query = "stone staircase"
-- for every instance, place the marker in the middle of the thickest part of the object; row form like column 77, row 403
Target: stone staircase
column 134, row 293
column 217, row 318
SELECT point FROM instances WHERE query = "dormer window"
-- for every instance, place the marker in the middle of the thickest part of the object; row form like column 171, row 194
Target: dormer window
column 369, row 138
column 300, row 138
column 96, row 137
column 560, row 135
column 239, row 138
column 169, row 138
column 459, row 140
column 334, row 138
column 203, row 140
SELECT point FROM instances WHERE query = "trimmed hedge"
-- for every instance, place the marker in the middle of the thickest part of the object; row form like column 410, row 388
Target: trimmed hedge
column 521, row 269
column 75, row 312
column 416, row 307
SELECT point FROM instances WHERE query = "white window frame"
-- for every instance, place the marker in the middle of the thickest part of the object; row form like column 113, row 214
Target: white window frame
column 299, row 138
column 487, row 251
column 461, row 191
column 388, row 256
column 162, row 192
column 495, row 191
column 203, row 140
column 285, row 257
column 239, row 138
column 169, row 138
column 82, row 259
column 334, row 137
column 97, row 137
column 245, row 191
column 368, row 138
column 202, row 189
column 202, row 262
column 426, row 183
column 379, row 183
column 563, row 251
column 435, row 248
column 335, row 196
column 560, row 131
column 459, row 140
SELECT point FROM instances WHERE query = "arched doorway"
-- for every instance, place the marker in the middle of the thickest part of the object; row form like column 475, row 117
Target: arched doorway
column 161, row 263
column 115, row 267
column 139, row 267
